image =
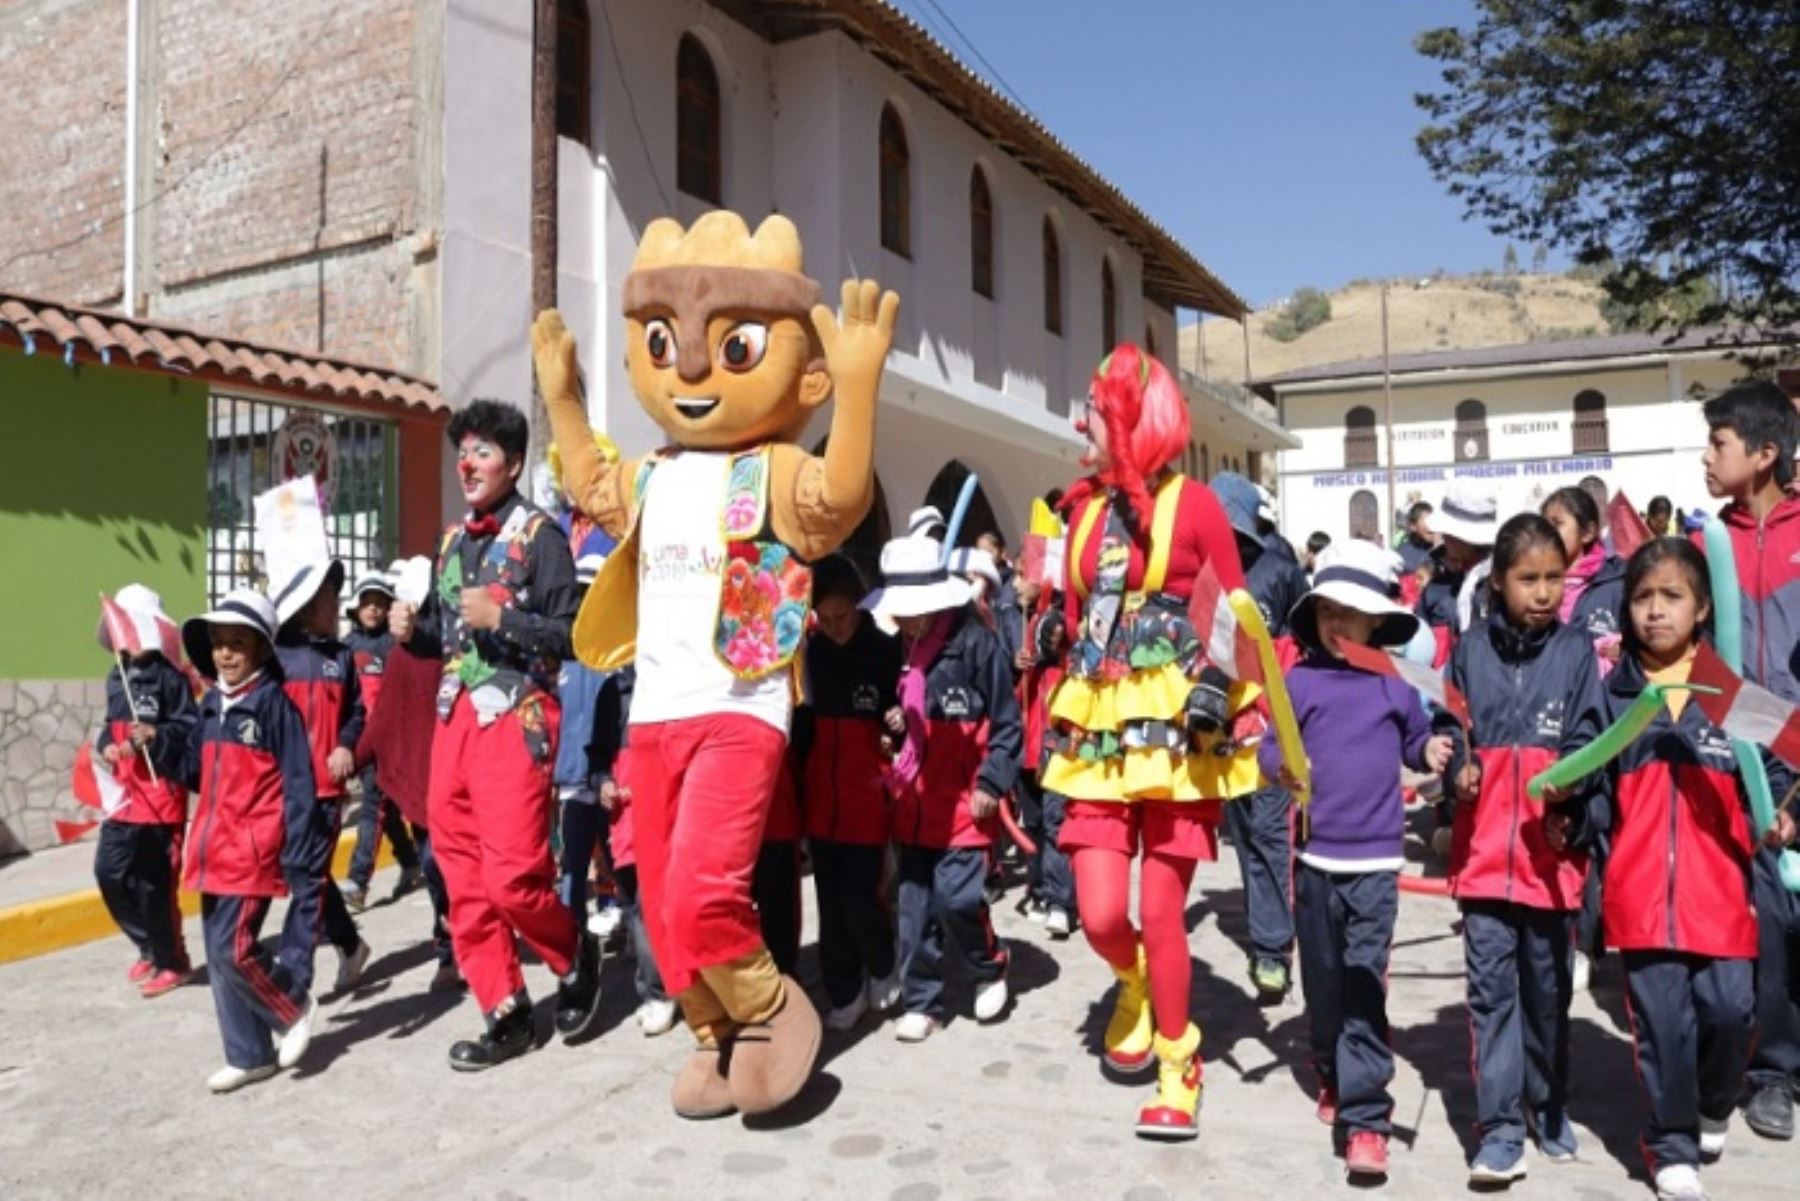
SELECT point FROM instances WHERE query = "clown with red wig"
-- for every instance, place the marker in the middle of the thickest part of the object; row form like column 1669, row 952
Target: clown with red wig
column 1143, row 744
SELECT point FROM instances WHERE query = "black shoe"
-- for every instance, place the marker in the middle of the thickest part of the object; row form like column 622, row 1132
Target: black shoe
column 1771, row 1112
column 411, row 880
column 507, row 1037
column 578, row 1002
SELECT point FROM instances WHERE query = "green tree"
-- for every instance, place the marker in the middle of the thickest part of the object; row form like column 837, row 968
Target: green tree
column 1509, row 263
column 1307, row 309
column 1660, row 137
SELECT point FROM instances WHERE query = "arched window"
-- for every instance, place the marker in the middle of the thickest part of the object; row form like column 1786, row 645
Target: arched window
column 1360, row 447
column 698, row 145
column 896, row 185
column 1590, row 423
column 1205, row 463
column 981, row 234
column 1052, row 278
column 944, row 489
column 1471, row 432
column 1365, row 516
column 1109, row 309
column 572, row 77
column 1150, row 341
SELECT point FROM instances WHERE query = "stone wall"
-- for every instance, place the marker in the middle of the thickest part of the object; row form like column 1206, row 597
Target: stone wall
column 42, row 722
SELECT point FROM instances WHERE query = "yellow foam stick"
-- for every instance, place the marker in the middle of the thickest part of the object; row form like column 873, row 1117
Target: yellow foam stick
column 1281, row 709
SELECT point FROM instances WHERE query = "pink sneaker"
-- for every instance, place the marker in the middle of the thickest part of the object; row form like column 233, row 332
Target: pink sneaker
column 1328, row 1106
column 1367, row 1154
column 140, row 971
column 164, row 981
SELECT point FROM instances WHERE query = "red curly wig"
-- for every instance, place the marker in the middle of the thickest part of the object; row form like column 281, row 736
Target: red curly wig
column 1146, row 429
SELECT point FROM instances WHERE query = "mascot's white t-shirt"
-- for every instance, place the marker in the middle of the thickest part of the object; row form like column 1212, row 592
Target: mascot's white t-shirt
column 681, row 558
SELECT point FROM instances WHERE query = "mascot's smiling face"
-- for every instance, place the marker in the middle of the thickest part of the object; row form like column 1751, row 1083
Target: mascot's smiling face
column 718, row 338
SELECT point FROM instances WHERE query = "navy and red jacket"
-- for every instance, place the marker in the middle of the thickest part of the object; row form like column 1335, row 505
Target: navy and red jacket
column 1437, row 609
column 256, row 822
column 154, row 693
column 973, row 737
column 319, row 675
column 1768, row 567
column 837, row 735
column 1534, row 697
column 1678, row 874
column 1600, row 609
column 369, row 652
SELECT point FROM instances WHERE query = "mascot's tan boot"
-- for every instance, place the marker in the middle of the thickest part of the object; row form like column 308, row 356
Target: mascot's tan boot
column 777, row 1040
column 701, row 1090
column 1130, row 1031
column 1173, row 1114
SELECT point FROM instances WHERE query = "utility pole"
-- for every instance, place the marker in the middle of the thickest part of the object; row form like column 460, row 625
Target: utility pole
column 543, row 191
column 1387, row 412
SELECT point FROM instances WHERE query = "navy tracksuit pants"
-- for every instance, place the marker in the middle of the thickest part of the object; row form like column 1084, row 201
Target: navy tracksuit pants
column 648, row 979
column 440, row 899
column 315, row 907
column 1518, row 966
column 1691, row 1016
column 1260, row 828
column 943, row 909
column 1590, row 936
column 775, row 887
column 1776, row 1058
column 1346, row 924
column 376, row 816
column 138, row 868
column 255, row 996
column 856, row 931
column 583, row 824
column 1050, row 878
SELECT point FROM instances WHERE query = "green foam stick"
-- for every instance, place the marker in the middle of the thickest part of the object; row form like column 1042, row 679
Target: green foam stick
column 1611, row 743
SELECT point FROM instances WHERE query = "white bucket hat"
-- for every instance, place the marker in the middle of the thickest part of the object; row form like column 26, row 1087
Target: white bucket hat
column 292, row 594
column 153, row 628
column 915, row 581
column 1358, row 575
column 973, row 561
column 1470, row 513
column 371, row 581
column 927, row 521
column 242, row 607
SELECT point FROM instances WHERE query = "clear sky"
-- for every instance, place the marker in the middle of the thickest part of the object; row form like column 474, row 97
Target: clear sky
column 1273, row 138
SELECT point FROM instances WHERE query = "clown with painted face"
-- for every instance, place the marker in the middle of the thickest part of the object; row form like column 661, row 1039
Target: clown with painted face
column 1143, row 739
column 730, row 353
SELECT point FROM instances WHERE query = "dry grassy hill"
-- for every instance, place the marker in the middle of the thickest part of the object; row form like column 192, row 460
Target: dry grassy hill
column 1442, row 313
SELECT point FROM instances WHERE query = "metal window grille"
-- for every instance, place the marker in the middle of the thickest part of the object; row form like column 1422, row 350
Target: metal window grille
column 361, row 516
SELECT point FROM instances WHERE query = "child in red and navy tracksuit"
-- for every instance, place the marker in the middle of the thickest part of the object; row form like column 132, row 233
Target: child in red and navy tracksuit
column 1533, row 686
column 255, row 829
column 370, row 645
column 1678, row 894
column 319, row 676
column 958, row 739
column 852, row 671
column 150, row 716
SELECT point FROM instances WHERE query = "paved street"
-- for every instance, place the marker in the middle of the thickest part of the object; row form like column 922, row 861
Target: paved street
column 102, row 1094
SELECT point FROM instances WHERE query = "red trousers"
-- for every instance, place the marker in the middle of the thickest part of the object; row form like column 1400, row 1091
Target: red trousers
column 700, row 795
column 490, row 809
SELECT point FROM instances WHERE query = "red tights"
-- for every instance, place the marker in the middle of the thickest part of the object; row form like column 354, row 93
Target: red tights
column 1103, row 894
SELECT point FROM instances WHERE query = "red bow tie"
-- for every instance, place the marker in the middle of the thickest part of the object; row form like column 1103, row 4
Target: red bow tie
column 484, row 526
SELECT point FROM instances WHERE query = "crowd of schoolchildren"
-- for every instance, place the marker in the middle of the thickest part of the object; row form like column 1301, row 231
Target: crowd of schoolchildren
column 922, row 737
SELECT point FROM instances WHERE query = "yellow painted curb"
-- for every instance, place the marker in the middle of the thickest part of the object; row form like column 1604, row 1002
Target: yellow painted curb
column 35, row 928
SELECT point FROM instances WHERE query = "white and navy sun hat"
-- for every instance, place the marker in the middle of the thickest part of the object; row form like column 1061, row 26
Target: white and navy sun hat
column 302, row 584
column 927, row 521
column 241, row 607
column 915, row 581
column 1358, row 575
column 973, row 561
column 369, row 581
column 1470, row 513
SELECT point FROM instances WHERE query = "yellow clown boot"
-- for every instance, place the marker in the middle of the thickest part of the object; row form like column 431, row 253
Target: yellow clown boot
column 1129, row 1031
column 1173, row 1115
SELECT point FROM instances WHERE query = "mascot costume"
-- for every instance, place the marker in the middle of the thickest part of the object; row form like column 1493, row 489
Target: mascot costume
column 730, row 353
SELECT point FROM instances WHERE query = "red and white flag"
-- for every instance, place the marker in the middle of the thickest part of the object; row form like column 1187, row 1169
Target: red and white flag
column 1627, row 529
column 1441, row 692
column 132, row 632
column 1228, row 646
column 1745, row 710
column 94, row 787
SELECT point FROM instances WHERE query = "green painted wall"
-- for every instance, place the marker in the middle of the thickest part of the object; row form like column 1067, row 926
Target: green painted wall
column 103, row 483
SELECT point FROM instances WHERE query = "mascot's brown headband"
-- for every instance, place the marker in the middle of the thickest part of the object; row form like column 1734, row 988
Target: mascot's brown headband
column 696, row 293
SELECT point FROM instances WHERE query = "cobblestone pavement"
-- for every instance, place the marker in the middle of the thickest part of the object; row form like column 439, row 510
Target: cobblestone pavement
column 103, row 1094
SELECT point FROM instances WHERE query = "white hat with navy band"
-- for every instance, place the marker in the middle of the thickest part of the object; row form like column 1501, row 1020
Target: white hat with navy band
column 1358, row 575
column 302, row 584
column 1469, row 512
column 242, row 607
column 915, row 581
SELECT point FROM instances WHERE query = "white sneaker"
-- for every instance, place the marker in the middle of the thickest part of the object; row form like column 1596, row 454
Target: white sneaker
column 229, row 1079
column 1679, row 1182
column 845, row 1017
column 914, row 1027
column 296, row 1038
column 657, row 1017
column 1712, row 1137
column 1035, row 911
column 350, row 967
column 991, row 999
column 1581, row 974
column 604, row 924
column 1058, row 923
column 884, row 994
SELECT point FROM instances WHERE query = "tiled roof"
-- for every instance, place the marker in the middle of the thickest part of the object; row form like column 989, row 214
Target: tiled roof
column 94, row 335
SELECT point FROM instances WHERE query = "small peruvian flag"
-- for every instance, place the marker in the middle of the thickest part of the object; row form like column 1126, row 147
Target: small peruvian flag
column 1432, row 683
column 1228, row 645
column 132, row 633
column 1628, row 529
column 1745, row 710
column 95, row 787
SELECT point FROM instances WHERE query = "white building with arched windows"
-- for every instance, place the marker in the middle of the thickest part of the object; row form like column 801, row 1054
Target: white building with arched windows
column 1528, row 419
column 1017, row 264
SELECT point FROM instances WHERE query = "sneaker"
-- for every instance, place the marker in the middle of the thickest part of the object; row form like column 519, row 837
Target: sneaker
column 1554, row 1137
column 356, row 896
column 991, row 999
column 1712, row 1137
column 1679, row 1182
column 507, row 1037
column 229, row 1079
column 657, row 1017
column 296, row 1038
column 411, row 880
column 1327, row 1111
column 1367, row 1153
column 446, row 977
column 578, row 996
column 140, row 971
column 845, row 1017
column 884, row 993
column 1270, row 976
column 606, row 923
column 1498, row 1163
column 1057, row 922
column 915, row 1027
column 1036, row 911
column 1770, row 1112
column 167, row 980
column 1581, row 972
column 350, row 967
